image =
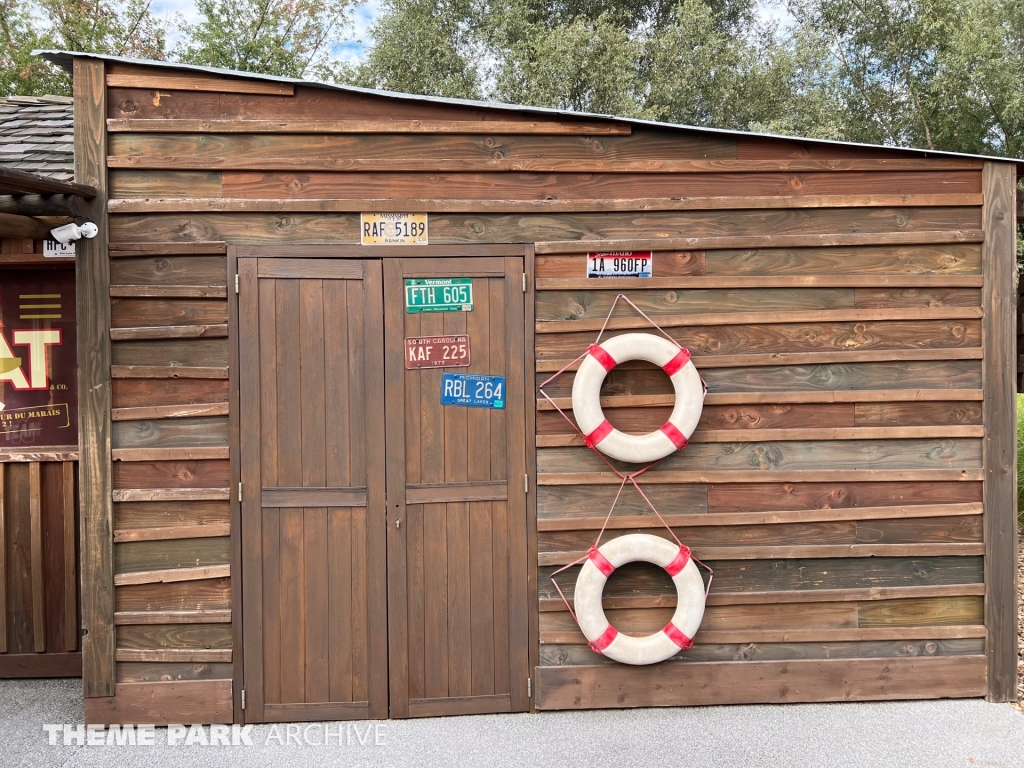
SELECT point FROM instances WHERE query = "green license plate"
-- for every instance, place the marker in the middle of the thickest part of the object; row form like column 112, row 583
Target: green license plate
column 439, row 294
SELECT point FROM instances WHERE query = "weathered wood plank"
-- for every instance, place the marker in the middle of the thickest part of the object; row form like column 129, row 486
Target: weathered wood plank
column 575, row 502
column 822, row 433
column 163, row 514
column 559, row 312
column 172, row 532
column 202, row 595
column 667, row 596
column 70, row 545
column 698, row 282
column 165, row 291
column 160, row 703
column 150, row 672
column 171, row 494
column 643, row 151
column 744, row 241
column 149, row 412
column 757, row 398
column 142, row 393
column 837, row 494
column 555, row 655
column 739, row 576
column 191, row 353
column 540, row 186
column 132, row 312
column 574, row 523
column 177, row 473
column 791, row 455
column 922, row 260
column 577, row 205
column 759, row 681
column 1000, row 462
column 191, row 655
column 171, row 553
column 683, row 230
column 129, row 183
column 147, row 247
column 801, row 551
column 35, row 508
column 92, row 271
column 211, row 615
column 168, row 372
column 765, row 381
column 167, row 636
column 760, row 476
column 183, row 81
column 354, row 125
column 169, row 332
column 210, row 431
column 169, row 270
column 173, row 574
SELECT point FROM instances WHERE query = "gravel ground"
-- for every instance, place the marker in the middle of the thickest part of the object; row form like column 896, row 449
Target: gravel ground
column 928, row 734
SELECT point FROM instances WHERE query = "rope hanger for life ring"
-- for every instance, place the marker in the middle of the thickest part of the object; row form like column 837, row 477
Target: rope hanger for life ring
column 600, row 436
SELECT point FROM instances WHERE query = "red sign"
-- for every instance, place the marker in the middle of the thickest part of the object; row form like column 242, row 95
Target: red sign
column 437, row 352
column 38, row 359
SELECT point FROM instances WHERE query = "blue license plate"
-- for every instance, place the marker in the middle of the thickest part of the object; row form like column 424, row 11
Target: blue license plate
column 473, row 390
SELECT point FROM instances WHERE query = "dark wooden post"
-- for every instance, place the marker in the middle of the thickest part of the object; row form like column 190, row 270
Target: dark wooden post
column 92, row 270
column 999, row 373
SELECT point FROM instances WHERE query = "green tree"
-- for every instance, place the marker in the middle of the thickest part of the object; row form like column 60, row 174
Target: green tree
column 293, row 38
column 118, row 27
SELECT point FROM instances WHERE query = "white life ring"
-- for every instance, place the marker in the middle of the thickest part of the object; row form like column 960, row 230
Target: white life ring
column 677, row 635
column 586, row 397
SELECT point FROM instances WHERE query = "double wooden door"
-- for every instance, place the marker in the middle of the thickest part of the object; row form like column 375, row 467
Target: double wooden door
column 383, row 534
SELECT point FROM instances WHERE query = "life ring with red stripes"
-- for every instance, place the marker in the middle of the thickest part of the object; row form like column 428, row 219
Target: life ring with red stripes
column 586, row 397
column 677, row 635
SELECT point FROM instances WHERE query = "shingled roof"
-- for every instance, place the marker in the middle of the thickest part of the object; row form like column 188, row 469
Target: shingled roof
column 37, row 135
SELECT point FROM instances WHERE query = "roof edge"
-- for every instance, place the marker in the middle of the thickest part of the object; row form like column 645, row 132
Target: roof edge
column 65, row 60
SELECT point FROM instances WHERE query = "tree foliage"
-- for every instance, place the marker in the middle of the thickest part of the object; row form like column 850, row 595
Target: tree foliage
column 941, row 74
column 119, row 27
column 293, row 38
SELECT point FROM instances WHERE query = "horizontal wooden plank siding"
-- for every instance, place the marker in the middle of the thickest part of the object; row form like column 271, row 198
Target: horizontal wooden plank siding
column 832, row 298
column 170, row 447
column 831, row 485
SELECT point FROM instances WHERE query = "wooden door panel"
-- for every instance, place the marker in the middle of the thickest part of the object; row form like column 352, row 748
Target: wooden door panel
column 311, row 391
column 457, row 472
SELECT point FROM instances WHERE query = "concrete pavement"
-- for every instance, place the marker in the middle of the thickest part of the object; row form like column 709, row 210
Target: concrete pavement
column 933, row 734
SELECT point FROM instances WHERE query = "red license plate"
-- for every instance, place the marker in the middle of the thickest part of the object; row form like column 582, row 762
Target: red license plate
column 437, row 352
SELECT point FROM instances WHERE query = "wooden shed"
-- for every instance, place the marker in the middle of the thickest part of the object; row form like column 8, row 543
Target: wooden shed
column 282, row 521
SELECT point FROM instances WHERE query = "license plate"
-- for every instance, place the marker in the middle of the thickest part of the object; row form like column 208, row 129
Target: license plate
column 620, row 264
column 393, row 229
column 437, row 352
column 472, row 390
column 439, row 294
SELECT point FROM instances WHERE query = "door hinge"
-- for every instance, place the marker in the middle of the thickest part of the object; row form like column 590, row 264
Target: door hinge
column 236, row 282
column 243, row 698
column 524, row 282
column 529, row 690
column 526, row 483
column 239, row 491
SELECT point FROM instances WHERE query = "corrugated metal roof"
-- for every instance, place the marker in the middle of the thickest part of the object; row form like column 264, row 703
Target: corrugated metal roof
column 65, row 59
column 37, row 135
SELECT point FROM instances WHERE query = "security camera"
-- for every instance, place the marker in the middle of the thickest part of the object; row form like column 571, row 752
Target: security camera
column 68, row 232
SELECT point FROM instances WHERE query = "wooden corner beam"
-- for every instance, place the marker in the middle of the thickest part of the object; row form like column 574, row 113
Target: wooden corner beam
column 92, row 271
column 999, row 458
